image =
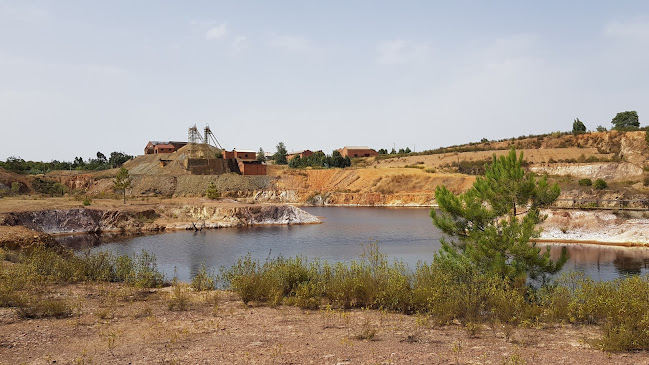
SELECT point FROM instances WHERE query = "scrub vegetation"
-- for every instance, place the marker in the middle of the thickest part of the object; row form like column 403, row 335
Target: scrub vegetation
column 447, row 293
column 30, row 282
column 26, row 283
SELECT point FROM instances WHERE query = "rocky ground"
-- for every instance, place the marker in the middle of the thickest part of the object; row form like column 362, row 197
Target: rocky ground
column 618, row 228
column 115, row 324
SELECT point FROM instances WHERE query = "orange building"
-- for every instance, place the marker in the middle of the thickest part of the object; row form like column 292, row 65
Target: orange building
column 357, row 151
column 252, row 168
column 247, row 161
column 154, row 147
column 302, row 154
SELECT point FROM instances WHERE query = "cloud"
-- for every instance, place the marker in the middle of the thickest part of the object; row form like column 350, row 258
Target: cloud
column 217, row 32
column 637, row 27
column 403, row 52
column 239, row 43
column 295, row 44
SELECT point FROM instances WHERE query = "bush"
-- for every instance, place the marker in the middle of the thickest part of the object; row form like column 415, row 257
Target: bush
column 15, row 187
column 585, row 182
column 600, row 184
column 45, row 264
column 212, row 192
column 203, row 280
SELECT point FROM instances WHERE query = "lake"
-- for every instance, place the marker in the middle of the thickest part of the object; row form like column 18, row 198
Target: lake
column 402, row 233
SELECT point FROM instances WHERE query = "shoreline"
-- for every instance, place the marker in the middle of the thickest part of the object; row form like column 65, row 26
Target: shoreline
column 579, row 227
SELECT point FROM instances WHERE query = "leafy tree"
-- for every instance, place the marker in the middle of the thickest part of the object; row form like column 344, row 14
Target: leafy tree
column 101, row 158
column 337, row 159
column 280, row 155
column 600, row 184
column 407, row 150
column 578, row 127
column 393, row 152
column 626, row 120
column 78, row 163
column 122, row 181
column 295, row 162
column 492, row 233
column 117, row 159
column 383, row 151
column 401, row 151
column 261, row 155
column 600, row 128
column 212, row 192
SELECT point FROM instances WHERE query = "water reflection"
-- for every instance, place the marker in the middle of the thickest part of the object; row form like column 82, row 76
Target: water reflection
column 604, row 262
column 405, row 234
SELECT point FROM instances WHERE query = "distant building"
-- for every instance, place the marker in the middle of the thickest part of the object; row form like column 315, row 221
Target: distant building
column 302, row 154
column 357, row 151
column 155, row 147
column 240, row 154
column 247, row 161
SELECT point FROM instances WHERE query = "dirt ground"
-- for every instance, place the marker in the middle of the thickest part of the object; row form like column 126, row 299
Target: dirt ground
column 114, row 324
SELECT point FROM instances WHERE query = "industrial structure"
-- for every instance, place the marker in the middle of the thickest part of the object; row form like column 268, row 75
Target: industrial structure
column 204, row 155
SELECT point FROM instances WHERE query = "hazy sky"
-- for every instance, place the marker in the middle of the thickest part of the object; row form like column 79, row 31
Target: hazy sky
column 77, row 77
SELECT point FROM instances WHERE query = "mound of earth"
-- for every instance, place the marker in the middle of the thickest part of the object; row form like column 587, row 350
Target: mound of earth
column 171, row 164
column 7, row 178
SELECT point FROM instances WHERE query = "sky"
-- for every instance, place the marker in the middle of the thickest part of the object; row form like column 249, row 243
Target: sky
column 77, row 77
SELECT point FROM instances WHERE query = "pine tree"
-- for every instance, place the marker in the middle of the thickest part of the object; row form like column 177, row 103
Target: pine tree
column 122, row 181
column 493, row 221
column 212, row 192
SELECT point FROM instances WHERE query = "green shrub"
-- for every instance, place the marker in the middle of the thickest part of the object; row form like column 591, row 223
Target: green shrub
column 203, row 280
column 600, row 184
column 212, row 192
column 15, row 187
column 45, row 264
column 585, row 182
column 44, row 308
column 87, row 201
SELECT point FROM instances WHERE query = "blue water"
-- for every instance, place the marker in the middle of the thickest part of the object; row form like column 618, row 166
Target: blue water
column 402, row 234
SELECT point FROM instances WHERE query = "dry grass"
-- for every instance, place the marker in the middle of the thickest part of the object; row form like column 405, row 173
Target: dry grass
column 142, row 329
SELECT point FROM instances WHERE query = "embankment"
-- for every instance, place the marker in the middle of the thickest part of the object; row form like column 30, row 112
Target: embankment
column 623, row 228
column 158, row 218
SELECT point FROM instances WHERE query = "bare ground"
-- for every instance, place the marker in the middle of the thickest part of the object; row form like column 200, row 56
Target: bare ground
column 119, row 325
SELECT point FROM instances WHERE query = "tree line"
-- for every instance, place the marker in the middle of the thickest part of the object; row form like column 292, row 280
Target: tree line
column 101, row 162
column 623, row 121
column 318, row 159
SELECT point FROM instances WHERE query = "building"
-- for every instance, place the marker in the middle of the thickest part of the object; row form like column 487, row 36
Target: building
column 357, row 151
column 248, row 155
column 155, row 147
column 252, row 168
column 247, row 161
column 302, row 154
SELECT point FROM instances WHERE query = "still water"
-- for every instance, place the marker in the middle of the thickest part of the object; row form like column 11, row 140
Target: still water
column 402, row 233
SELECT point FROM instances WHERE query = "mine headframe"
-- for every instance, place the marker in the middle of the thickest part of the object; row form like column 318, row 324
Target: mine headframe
column 195, row 137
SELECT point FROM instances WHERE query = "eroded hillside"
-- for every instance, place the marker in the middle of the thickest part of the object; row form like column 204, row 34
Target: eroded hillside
column 620, row 158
